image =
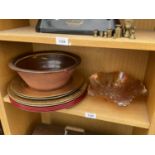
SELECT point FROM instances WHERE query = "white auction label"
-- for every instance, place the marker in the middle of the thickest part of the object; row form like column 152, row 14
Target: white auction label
column 62, row 41
column 90, row 115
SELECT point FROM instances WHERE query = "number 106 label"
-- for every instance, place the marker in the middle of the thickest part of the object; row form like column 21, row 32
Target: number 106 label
column 62, row 41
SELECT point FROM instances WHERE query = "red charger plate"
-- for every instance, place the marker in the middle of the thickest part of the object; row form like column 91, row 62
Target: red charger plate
column 49, row 108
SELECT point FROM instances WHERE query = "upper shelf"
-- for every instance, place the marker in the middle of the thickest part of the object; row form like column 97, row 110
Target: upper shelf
column 145, row 40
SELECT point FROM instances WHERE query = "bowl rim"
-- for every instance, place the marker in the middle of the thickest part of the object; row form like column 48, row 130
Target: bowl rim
column 12, row 63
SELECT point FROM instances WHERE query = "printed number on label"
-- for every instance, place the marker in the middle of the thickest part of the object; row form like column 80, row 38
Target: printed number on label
column 90, row 115
column 62, row 41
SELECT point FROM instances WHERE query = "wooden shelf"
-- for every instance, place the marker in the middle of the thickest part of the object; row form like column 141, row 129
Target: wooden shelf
column 133, row 115
column 145, row 40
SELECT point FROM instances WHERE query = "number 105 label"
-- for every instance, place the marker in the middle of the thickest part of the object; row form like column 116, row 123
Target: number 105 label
column 62, row 41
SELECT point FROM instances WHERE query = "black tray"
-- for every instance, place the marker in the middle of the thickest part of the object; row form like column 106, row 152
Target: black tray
column 75, row 26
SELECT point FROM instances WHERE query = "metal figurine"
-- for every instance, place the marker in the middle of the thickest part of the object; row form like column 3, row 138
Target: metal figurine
column 123, row 30
column 128, row 27
column 118, row 32
column 95, row 33
column 105, row 34
column 127, row 33
column 132, row 32
column 109, row 31
column 101, row 33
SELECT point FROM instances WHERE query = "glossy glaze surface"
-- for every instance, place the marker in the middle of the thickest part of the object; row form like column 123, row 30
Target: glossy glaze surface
column 46, row 70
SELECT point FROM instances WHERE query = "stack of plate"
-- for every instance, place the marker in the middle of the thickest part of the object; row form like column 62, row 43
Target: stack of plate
column 29, row 99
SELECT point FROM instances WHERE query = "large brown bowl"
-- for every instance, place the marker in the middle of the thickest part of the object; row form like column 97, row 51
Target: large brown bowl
column 46, row 70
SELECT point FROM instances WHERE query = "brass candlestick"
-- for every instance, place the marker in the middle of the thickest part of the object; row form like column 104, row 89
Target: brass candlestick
column 109, row 31
column 95, row 33
column 118, row 32
column 101, row 33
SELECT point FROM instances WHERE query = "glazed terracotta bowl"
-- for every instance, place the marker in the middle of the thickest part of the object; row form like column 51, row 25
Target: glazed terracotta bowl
column 45, row 70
